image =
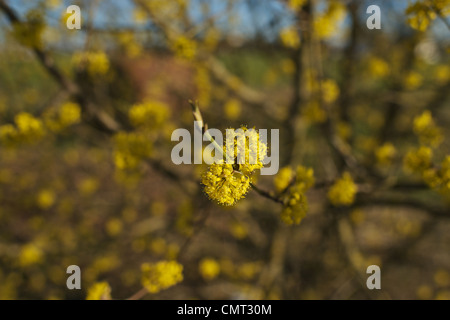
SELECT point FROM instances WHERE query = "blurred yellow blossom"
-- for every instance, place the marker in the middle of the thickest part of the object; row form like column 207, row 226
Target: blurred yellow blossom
column 343, row 191
column 161, row 275
column 209, row 268
column 290, row 38
column 99, row 291
column 385, row 154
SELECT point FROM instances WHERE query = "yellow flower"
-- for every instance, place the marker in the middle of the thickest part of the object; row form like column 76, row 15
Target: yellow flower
column 95, row 62
column 99, row 291
column 296, row 4
column 66, row 115
column 296, row 207
column 224, row 185
column 378, row 67
column 130, row 149
column 184, row 47
column 413, row 80
column 209, row 268
column 283, row 178
column 418, row 160
column 420, row 15
column 314, row 113
column 385, row 153
column 29, row 127
column 424, row 126
column 149, row 114
column 46, row 198
column 232, row 109
column 325, row 24
column 330, row 91
column 290, row 38
column 304, row 178
column 30, row 254
column 296, row 204
column 29, row 33
column 343, row 191
column 161, row 275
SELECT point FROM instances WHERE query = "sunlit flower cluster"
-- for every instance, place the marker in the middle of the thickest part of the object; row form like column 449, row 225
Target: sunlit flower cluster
column 226, row 182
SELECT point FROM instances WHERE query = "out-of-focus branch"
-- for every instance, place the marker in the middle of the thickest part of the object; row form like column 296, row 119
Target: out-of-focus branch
column 349, row 62
column 304, row 26
column 266, row 194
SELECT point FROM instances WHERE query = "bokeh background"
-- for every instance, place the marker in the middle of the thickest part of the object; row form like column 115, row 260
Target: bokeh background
column 86, row 118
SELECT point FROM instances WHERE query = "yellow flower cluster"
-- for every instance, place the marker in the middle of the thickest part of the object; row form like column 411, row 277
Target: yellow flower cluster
column 128, row 42
column 296, row 4
column 283, row 178
column 161, row 275
column 246, row 142
column 149, row 114
column 413, row 80
column 27, row 129
column 313, row 112
column 46, row 198
column 99, row 291
column 439, row 179
column 442, row 74
column 66, row 115
column 295, row 208
column 325, row 24
column 209, row 268
column 95, row 62
column 130, row 149
column 418, row 160
column 227, row 183
column 385, row 154
column 290, row 37
column 343, row 191
column 378, row 67
column 330, row 90
column 232, row 109
column 296, row 204
column 30, row 254
column 29, row 33
column 421, row 14
column 427, row 131
column 183, row 47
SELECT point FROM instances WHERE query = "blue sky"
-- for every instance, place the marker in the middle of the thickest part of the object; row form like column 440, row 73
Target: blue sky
column 250, row 13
